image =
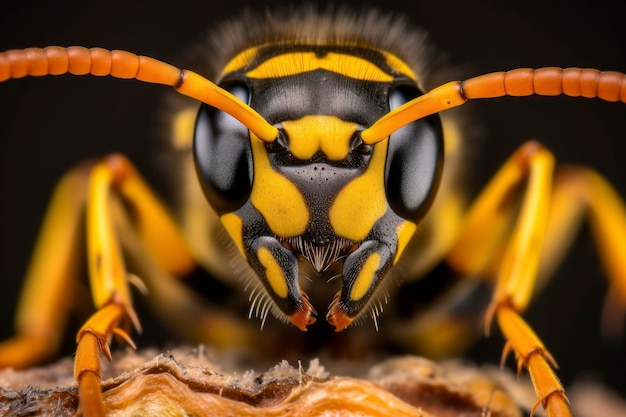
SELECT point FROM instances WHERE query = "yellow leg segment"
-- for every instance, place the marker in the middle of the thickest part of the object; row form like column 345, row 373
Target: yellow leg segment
column 607, row 215
column 535, row 233
column 155, row 227
column 486, row 229
column 582, row 193
column 96, row 192
column 93, row 340
column 51, row 281
column 115, row 177
column 516, row 268
column 533, row 355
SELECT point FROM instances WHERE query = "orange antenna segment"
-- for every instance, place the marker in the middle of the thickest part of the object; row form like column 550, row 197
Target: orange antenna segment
column 77, row 60
column 549, row 81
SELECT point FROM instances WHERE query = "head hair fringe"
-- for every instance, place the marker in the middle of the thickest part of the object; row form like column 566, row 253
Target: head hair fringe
column 309, row 24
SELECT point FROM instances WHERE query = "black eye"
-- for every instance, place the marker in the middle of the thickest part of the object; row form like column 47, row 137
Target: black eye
column 402, row 93
column 414, row 160
column 222, row 154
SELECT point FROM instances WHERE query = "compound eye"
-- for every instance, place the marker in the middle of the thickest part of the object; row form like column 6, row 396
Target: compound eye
column 402, row 93
column 222, row 154
column 414, row 160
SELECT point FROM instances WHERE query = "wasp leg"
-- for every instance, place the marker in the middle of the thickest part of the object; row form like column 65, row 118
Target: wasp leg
column 576, row 192
column 115, row 177
column 581, row 193
column 92, row 340
column 108, row 193
column 516, row 267
column 51, row 281
column 156, row 228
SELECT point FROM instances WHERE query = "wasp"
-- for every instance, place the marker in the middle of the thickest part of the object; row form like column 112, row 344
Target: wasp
column 323, row 165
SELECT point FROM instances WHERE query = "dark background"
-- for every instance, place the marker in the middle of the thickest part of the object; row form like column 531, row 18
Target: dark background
column 47, row 125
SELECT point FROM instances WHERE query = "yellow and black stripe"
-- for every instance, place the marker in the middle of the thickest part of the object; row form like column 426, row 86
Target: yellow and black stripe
column 318, row 190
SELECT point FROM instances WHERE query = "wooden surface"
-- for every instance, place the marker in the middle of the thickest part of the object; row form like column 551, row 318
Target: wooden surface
column 188, row 382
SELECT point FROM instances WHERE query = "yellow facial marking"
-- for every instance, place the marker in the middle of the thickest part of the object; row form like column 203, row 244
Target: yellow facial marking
column 364, row 279
column 182, row 128
column 240, row 61
column 234, row 226
column 273, row 272
column 327, row 134
column 362, row 201
column 399, row 65
column 299, row 62
column 453, row 137
column 405, row 232
column 277, row 199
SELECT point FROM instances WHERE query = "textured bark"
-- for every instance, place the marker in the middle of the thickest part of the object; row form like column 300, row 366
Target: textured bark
column 185, row 382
